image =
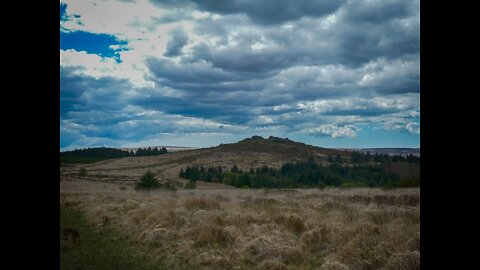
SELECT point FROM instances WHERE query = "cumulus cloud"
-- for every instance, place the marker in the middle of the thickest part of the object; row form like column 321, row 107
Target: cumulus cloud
column 271, row 11
column 334, row 131
column 178, row 39
column 321, row 68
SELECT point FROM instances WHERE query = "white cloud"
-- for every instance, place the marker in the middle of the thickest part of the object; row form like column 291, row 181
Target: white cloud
column 200, row 15
column 381, row 71
column 310, row 73
column 126, row 20
column 91, row 64
column 380, row 103
column 137, row 23
column 334, row 131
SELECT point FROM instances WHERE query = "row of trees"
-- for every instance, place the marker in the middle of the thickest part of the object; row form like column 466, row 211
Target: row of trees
column 150, row 151
column 300, row 174
column 108, row 152
column 359, row 157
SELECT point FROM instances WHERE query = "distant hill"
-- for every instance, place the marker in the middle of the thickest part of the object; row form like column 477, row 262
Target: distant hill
column 250, row 153
column 388, row 151
column 284, row 148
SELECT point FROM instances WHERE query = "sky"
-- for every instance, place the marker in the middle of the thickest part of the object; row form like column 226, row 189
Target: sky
column 330, row 73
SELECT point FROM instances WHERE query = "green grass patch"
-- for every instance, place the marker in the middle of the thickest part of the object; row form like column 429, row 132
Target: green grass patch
column 83, row 246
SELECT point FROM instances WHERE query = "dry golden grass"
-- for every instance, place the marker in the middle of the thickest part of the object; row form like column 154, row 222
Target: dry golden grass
column 257, row 229
column 208, row 235
column 203, row 203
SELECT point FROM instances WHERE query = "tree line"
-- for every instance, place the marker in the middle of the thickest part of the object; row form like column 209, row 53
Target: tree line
column 359, row 157
column 300, row 175
column 89, row 155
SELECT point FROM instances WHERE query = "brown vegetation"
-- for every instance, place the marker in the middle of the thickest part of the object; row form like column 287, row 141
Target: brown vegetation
column 254, row 229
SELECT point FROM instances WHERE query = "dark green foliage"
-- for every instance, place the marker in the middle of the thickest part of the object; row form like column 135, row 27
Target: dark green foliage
column 358, row 157
column 303, row 174
column 99, row 152
column 90, row 155
column 150, row 151
column 192, row 173
column 181, row 174
column 409, row 182
column 148, row 181
column 82, row 173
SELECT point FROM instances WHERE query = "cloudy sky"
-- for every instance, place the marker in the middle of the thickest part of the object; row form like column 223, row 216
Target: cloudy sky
column 331, row 73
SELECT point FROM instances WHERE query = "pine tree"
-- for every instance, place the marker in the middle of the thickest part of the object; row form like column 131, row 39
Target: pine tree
column 148, row 181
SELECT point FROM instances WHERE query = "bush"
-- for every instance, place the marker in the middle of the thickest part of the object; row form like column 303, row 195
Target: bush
column 408, row 182
column 293, row 223
column 148, row 181
column 82, row 173
column 191, row 185
column 169, row 184
column 211, row 235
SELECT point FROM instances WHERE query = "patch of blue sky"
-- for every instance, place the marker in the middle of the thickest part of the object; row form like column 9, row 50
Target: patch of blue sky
column 368, row 136
column 63, row 12
column 99, row 44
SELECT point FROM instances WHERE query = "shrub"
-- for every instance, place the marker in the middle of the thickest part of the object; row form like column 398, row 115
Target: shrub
column 169, row 184
column 148, row 181
column 408, row 182
column 82, row 173
column 293, row 223
column 191, row 185
column 209, row 235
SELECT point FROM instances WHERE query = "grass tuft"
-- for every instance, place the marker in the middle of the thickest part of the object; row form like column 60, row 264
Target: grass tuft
column 203, row 203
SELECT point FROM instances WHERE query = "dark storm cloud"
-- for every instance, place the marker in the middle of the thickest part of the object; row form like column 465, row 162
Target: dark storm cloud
column 84, row 93
column 178, row 39
column 317, row 67
column 242, row 58
column 377, row 12
column 271, row 11
column 196, row 73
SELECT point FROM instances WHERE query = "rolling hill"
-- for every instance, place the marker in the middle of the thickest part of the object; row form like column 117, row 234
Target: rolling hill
column 253, row 152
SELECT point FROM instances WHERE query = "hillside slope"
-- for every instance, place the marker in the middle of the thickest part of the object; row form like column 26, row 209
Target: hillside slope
column 253, row 152
column 249, row 153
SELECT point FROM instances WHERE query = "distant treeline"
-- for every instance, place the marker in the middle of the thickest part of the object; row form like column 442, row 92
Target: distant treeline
column 301, row 175
column 359, row 157
column 89, row 155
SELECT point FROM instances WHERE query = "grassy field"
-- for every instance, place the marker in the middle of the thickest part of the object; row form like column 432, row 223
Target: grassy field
column 240, row 229
column 81, row 160
column 220, row 227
